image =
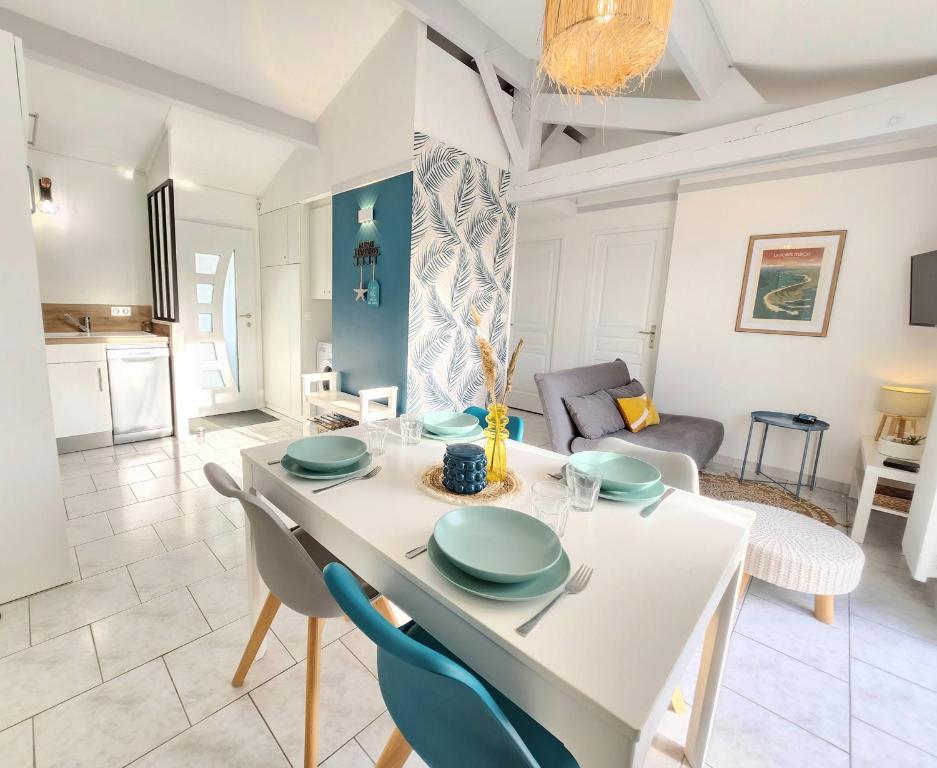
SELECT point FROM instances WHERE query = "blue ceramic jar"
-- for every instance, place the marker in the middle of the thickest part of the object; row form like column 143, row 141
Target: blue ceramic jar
column 464, row 468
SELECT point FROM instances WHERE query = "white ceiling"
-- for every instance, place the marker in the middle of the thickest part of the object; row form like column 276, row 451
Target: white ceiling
column 290, row 55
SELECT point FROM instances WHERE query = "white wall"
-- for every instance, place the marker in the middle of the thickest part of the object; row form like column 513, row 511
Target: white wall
column 705, row 368
column 367, row 127
column 95, row 249
column 576, row 234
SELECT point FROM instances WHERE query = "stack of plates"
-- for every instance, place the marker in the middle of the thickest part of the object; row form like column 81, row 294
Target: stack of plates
column 624, row 478
column 498, row 553
column 326, row 457
column 451, row 425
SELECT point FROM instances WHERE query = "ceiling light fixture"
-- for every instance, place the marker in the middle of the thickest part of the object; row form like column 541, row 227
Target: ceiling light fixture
column 603, row 46
column 46, row 203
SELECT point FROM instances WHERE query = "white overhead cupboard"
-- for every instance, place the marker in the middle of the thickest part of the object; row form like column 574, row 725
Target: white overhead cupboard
column 295, row 278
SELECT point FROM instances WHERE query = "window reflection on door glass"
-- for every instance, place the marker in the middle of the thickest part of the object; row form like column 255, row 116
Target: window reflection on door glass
column 212, row 380
column 206, row 263
column 205, row 322
column 204, row 292
column 208, row 350
column 229, row 314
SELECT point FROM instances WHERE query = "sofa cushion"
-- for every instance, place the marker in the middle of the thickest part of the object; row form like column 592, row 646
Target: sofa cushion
column 697, row 438
column 633, row 389
column 638, row 412
column 595, row 415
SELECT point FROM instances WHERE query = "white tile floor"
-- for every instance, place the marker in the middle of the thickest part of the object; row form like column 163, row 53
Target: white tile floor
column 130, row 664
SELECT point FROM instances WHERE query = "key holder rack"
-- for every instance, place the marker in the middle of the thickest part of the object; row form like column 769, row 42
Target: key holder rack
column 366, row 253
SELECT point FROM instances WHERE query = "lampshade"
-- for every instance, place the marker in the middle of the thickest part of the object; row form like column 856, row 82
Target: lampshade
column 903, row 401
column 600, row 46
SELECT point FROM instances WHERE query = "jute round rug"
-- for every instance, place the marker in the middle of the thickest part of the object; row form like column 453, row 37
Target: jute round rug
column 728, row 488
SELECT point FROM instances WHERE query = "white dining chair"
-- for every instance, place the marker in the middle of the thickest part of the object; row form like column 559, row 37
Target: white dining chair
column 676, row 469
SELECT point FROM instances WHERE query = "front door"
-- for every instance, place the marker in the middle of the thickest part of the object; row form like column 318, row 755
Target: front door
column 536, row 266
column 625, row 299
column 217, row 301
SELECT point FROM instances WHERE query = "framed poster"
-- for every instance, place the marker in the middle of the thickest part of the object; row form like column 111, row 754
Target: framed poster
column 789, row 283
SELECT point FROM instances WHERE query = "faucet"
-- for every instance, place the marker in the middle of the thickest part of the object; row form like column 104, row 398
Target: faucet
column 84, row 325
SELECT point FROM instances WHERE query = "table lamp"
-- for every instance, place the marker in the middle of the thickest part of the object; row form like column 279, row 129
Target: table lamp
column 903, row 405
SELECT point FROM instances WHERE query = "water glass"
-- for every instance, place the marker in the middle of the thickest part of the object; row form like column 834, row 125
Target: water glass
column 551, row 503
column 584, row 487
column 411, row 427
column 375, row 432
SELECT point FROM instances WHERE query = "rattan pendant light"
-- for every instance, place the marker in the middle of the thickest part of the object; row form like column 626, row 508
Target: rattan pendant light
column 603, row 46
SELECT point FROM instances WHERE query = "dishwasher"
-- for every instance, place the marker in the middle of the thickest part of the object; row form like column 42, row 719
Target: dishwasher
column 141, row 397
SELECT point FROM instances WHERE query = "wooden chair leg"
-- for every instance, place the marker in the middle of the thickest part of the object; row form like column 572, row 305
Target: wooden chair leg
column 881, row 428
column 313, row 675
column 743, row 584
column 823, row 608
column 264, row 620
column 395, row 753
column 382, row 606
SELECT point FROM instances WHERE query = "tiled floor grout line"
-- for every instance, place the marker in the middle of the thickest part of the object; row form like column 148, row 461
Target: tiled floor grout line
column 97, row 657
column 893, row 628
column 787, row 655
column 171, row 680
column 896, row 737
column 267, row 725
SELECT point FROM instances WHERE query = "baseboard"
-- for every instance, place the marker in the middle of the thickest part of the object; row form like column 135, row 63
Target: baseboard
column 778, row 473
column 84, row 442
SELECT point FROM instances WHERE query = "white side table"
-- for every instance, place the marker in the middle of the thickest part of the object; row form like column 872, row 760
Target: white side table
column 869, row 470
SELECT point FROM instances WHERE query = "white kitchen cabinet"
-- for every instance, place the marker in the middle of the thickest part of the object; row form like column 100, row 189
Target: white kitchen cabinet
column 283, row 237
column 81, row 402
column 296, row 237
column 281, row 296
column 320, row 252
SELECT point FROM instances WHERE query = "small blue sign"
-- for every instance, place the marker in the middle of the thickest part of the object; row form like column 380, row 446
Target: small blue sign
column 374, row 293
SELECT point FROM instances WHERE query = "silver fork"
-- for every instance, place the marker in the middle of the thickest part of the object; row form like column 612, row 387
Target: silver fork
column 368, row 476
column 578, row 582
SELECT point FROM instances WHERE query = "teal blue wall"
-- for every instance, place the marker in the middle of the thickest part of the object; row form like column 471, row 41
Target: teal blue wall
column 369, row 344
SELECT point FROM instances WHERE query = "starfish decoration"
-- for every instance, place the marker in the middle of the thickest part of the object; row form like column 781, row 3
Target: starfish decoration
column 360, row 293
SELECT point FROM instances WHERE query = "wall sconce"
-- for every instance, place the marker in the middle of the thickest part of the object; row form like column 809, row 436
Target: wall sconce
column 365, row 215
column 46, row 203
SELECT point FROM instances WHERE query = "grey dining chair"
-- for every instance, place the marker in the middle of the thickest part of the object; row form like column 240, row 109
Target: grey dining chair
column 290, row 562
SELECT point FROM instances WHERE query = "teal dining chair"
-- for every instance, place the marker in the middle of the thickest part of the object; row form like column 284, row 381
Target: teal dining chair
column 441, row 709
column 515, row 423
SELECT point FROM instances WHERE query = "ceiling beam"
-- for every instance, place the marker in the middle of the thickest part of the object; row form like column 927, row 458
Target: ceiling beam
column 502, row 106
column 455, row 22
column 47, row 43
column 885, row 114
column 643, row 114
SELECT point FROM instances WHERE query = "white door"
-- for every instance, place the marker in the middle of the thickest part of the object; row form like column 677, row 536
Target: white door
column 281, row 291
column 625, row 299
column 536, row 267
column 217, row 306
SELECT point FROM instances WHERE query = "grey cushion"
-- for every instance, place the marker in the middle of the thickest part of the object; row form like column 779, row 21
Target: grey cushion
column 556, row 385
column 696, row 437
column 594, row 415
column 634, row 389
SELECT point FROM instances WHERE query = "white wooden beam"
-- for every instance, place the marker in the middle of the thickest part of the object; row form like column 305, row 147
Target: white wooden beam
column 885, row 114
column 642, row 114
column 501, row 105
column 455, row 22
column 48, row 43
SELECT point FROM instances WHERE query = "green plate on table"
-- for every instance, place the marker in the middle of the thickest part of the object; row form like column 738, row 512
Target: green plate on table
column 619, row 473
column 651, row 493
column 497, row 544
column 476, row 434
column 326, row 453
column 554, row 579
column 450, row 423
column 295, row 468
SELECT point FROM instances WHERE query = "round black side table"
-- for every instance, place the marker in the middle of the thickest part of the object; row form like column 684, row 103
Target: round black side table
column 786, row 421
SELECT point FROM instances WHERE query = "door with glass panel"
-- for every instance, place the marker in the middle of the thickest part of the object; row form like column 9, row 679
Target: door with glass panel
column 217, row 299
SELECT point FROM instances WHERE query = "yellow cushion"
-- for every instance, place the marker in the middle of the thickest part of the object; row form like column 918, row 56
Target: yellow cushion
column 638, row 412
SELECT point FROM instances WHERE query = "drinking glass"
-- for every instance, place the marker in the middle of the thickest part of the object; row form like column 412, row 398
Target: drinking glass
column 375, row 433
column 584, row 487
column 551, row 503
column 411, row 427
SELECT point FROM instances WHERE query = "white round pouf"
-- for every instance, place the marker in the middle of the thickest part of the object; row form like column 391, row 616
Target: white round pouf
column 794, row 551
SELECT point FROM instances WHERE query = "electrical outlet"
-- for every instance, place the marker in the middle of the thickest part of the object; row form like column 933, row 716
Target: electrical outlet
column 120, row 311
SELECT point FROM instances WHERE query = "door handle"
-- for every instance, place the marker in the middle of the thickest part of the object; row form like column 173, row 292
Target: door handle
column 648, row 333
column 247, row 314
column 100, row 380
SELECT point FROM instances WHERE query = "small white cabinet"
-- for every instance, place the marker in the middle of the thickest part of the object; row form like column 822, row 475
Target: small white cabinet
column 81, row 402
column 320, row 252
column 281, row 297
column 283, row 237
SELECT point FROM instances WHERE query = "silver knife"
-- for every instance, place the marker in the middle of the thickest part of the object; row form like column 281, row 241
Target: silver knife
column 651, row 507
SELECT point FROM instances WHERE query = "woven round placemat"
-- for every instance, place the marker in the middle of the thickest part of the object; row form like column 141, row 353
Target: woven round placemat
column 431, row 482
column 728, row 488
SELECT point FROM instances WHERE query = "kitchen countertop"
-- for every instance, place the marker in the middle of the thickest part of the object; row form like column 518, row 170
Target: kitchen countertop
column 105, row 337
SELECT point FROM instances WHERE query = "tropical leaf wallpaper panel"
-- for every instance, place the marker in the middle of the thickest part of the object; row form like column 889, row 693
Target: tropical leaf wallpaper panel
column 461, row 254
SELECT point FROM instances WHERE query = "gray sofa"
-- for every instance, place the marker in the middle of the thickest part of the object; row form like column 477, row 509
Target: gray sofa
column 698, row 438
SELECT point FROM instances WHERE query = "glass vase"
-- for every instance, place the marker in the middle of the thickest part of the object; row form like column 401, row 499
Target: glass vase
column 497, row 434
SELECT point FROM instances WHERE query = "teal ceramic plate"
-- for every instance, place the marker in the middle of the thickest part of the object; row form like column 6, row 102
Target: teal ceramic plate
column 297, row 469
column 497, row 544
column 618, row 472
column 653, row 493
column 550, row 581
column 476, row 434
column 450, row 423
column 326, row 453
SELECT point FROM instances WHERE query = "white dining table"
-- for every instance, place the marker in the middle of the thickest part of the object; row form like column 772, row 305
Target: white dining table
column 599, row 670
